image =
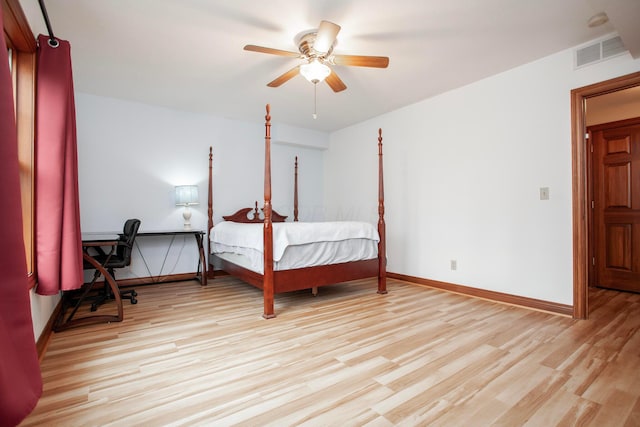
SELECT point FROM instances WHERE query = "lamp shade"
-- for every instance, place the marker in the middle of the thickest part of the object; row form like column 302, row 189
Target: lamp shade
column 186, row 195
column 315, row 71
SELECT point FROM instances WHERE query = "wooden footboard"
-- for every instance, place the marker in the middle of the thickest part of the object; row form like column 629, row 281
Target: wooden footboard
column 305, row 278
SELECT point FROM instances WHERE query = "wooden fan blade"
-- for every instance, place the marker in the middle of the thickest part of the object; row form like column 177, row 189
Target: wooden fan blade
column 254, row 48
column 361, row 61
column 327, row 33
column 335, row 83
column 285, row 77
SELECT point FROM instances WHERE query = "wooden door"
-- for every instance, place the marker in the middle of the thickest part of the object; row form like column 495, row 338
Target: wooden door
column 616, row 204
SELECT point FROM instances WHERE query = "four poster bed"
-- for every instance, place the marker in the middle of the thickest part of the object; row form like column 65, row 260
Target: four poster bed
column 280, row 257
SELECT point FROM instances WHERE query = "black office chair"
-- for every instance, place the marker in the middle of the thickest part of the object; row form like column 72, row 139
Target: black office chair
column 120, row 259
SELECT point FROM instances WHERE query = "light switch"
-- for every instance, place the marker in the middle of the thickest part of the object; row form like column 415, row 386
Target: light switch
column 544, row 193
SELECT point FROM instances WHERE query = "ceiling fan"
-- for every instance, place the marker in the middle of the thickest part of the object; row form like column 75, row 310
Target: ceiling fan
column 316, row 49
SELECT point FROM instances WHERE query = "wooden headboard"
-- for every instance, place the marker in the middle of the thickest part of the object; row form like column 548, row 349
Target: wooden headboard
column 243, row 216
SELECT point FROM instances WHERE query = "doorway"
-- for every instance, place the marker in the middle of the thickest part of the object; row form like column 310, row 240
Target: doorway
column 580, row 200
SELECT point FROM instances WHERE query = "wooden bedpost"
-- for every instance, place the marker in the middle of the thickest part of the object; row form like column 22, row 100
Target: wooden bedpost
column 268, row 285
column 382, row 245
column 314, row 290
column 210, row 272
column 295, row 193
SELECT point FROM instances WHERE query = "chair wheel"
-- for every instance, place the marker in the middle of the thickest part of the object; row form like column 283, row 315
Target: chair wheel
column 94, row 307
column 134, row 293
column 134, row 301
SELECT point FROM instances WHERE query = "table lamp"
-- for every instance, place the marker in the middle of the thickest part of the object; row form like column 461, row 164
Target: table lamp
column 186, row 195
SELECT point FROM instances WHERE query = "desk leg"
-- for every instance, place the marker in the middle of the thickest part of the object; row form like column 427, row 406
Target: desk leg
column 101, row 318
column 203, row 261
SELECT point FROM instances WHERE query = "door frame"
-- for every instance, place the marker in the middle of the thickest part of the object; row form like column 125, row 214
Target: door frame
column 581, row 214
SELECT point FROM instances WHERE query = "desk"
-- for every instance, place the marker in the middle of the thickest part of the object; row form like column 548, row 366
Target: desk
column 201, row 272
column 65, row 322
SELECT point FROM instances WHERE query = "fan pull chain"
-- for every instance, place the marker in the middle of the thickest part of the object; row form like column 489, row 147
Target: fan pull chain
column 315, row 100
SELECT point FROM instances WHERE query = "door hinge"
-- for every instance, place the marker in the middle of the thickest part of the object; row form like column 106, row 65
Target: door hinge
column 586, row 136
column 593, row 261
column 591, row 146
column 593, row 204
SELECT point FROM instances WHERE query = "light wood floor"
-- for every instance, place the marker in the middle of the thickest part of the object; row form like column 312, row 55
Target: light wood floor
column 191, row 355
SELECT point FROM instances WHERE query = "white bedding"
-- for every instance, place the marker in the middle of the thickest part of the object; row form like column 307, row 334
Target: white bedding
column 295, row 244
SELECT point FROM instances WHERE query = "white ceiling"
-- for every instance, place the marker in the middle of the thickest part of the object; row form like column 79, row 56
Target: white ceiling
column 188, row 54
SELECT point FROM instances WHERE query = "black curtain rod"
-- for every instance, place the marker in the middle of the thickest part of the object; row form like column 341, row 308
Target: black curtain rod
column 52, row 39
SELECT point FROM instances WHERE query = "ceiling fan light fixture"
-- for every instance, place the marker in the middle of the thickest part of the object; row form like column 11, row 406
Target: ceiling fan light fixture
column 315, row 71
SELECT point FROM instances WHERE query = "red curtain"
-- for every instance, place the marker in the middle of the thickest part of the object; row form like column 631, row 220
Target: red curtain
column 58, row 238
column 20, row 380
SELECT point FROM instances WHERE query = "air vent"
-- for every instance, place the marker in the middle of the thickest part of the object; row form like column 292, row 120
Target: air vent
column 599, row 51
column 612, row 47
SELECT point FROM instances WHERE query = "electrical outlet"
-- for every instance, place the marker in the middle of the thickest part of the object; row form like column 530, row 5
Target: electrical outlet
column 454, row 264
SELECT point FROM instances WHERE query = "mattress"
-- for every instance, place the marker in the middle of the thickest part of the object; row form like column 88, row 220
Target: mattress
column 295, row 245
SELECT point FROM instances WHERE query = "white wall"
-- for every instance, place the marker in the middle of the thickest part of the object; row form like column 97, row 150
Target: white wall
column 462, row 175
column 41, row 309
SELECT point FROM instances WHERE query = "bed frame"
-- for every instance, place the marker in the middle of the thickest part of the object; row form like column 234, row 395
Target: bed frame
column 274, row 282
